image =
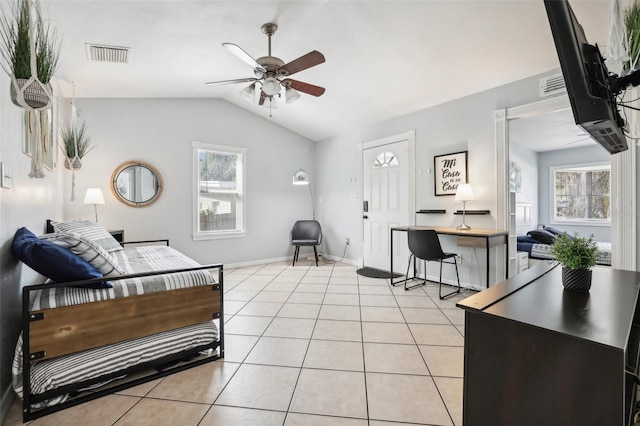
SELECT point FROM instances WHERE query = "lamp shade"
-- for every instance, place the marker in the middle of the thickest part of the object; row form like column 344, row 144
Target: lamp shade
column 291, row 95
column 249, row 92
column 300, row 178
column 94, row 196
column 464, row 193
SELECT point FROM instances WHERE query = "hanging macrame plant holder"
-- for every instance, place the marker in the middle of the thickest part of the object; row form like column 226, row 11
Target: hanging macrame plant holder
column 31, row 94
column 73, row 164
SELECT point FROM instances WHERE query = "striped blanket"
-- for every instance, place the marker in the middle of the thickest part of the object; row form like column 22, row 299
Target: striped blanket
column 64, row 370
column 132, row 260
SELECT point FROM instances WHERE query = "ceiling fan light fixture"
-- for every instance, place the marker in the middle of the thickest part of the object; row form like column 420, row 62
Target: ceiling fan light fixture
column 249, row 92
column 291, row 95
column 271, row 86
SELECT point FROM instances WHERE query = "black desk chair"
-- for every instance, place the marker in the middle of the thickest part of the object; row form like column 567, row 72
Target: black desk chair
column 305, row 233
column 424, row 244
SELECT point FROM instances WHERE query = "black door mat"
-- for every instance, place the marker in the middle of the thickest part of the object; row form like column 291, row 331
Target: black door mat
column 376, row 273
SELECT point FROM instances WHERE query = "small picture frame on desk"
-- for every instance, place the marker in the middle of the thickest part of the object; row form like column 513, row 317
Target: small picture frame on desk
column 450, row 171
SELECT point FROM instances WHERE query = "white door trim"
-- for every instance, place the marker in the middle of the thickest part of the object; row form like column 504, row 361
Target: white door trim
column 622, row 166
column 409, row 136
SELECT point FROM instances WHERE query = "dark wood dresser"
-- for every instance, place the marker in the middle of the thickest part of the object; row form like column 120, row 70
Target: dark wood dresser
column 538, row 355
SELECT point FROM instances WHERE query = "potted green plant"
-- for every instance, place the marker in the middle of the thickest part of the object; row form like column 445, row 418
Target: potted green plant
column 577, row 256
column 76, row 144
column 15, row 49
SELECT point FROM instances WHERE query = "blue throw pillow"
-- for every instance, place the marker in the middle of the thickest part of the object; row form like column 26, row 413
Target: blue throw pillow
column 527, row 239
column 545, row 237
column 54, row 262
column 558, row 232
column 553, row 230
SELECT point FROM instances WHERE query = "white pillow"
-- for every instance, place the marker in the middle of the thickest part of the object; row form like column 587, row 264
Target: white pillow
column 87, row 250
column 90, row 231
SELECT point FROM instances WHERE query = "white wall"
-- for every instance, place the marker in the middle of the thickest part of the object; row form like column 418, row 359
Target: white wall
column 528, row 162
column 564, row 157
column 160, row 132
column 463, row 124
column 28, row 203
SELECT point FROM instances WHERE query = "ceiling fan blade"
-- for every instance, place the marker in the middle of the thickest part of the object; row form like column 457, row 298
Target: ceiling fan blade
column 263, row 96
column 237, row 80
column 309, row 60
column 303, row 87
column 243, row 56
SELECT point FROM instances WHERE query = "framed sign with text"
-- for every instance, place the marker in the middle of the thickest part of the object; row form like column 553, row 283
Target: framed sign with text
column 450, row 170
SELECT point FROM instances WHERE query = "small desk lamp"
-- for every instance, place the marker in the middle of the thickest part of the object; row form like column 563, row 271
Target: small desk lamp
column 302, row 178
column 94, row 196
column 464, row 193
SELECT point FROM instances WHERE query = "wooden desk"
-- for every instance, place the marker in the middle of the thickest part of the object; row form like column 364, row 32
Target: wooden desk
column 535, row 354
column 474, row 238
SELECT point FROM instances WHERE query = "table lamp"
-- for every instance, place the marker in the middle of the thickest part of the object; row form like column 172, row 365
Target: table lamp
column 464, row 193
column 94, row 196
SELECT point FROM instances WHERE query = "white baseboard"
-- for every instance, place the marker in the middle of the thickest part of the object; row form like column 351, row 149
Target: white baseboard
column 284, row 259
column 257, row 262
column 340, row 259
column 454, row 283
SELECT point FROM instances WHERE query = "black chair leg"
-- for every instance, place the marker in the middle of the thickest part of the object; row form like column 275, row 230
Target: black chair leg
column 315, row 252
column 295, row 255
column 414, row 278
column 455, row 262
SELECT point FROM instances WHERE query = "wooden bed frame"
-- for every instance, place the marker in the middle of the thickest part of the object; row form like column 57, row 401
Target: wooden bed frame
column 61, row 331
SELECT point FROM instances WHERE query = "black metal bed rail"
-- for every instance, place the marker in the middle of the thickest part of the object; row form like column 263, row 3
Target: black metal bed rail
column 28, row 399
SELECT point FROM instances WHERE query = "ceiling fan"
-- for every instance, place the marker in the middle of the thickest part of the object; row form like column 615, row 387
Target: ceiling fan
column 273, row 74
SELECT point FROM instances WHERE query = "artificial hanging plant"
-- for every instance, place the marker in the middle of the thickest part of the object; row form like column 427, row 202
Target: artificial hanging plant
column 632, row 25
column 27, row 42
column 29, row 53
column 76, row 144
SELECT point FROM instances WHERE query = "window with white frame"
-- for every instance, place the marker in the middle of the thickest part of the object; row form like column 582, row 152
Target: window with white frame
column 582, row 193
column 219, row 180
column 385, row 159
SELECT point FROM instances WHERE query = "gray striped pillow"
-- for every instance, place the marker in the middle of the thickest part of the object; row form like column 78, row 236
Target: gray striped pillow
column 91, row 231
column 87, row 250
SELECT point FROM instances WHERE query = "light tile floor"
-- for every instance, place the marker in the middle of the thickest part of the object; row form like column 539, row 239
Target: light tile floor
column 307, row 345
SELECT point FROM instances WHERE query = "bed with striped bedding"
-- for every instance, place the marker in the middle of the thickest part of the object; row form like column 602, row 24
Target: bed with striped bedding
column 145, row 269
column 132, row 260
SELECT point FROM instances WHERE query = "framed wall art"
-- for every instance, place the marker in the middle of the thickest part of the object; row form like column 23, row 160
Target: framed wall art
column 450, row 170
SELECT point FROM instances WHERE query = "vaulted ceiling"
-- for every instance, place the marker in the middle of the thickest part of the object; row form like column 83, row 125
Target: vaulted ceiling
column 383, row 58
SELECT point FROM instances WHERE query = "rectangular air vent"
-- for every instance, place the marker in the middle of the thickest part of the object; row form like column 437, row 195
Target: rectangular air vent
column 102, row 53
column 552, row 85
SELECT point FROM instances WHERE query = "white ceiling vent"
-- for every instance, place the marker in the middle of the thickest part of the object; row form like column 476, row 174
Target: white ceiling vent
column 552, row 85
column 102, row 53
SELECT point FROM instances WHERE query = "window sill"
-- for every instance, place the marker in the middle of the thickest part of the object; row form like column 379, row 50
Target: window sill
column 580, row 223
column 219, row 236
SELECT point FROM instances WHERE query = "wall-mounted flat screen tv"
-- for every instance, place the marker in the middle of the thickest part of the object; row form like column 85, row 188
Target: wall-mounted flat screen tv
column 591, row 88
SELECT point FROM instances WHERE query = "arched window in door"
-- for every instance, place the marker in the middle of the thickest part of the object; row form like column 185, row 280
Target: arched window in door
column 385, row 159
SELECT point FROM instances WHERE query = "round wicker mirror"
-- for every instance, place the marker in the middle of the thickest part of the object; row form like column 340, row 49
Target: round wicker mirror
column 136, row 183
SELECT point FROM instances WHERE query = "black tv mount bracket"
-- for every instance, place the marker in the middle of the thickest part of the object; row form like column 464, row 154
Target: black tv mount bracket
column 618, row 84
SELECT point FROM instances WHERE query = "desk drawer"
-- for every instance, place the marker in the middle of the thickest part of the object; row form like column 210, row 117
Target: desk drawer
column 474, row 242
column 480, row 241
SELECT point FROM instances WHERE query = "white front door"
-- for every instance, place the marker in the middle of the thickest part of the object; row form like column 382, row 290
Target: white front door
column 388, row 199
